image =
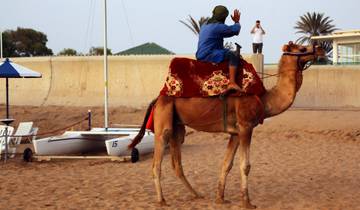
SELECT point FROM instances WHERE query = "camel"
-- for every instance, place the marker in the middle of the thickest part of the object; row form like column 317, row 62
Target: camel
column 171, row 115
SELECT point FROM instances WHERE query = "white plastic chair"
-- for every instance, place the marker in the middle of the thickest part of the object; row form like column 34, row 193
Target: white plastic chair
column 10, row 130
column 23, row 130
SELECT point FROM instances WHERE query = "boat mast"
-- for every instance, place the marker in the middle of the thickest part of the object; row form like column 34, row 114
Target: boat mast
column 105, row 70
column 1, row 42
column 7, row 79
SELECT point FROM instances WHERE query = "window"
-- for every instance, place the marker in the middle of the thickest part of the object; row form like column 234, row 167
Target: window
column 349, row 53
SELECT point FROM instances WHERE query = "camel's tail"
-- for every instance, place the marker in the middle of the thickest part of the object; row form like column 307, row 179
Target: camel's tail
column 141, row 133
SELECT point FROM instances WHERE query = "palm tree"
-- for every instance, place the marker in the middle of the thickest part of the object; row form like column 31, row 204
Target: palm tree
column 314, row 24
column 194, row 25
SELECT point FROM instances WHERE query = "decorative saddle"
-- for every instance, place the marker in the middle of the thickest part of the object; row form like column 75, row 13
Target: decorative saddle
column 192, row 78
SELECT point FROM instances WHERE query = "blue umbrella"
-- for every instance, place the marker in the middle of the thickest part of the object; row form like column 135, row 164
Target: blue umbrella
column 8, row 70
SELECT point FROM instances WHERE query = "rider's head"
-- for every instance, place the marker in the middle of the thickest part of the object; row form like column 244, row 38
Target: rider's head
column 220, row 14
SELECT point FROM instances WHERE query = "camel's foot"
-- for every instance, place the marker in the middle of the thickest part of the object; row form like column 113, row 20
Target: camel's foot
column 162, row 203
column 245, row 200
column 247, row 205
column 222, row 201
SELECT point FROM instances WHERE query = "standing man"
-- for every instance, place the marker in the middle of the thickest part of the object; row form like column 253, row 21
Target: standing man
column 211, row 42
column 258, row 33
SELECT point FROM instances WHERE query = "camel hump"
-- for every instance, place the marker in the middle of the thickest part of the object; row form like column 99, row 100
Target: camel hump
column 179, row 62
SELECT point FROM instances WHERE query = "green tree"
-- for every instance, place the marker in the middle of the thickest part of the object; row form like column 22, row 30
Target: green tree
column 25, row 42
column 68, row 51
column 194, row 25
column 314, row 24
column 98, row 51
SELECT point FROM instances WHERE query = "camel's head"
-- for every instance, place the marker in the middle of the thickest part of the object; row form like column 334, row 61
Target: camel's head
column 304, row 55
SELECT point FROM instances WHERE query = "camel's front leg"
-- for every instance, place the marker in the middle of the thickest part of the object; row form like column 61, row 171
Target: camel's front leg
column 227, row 165
column 245, row 141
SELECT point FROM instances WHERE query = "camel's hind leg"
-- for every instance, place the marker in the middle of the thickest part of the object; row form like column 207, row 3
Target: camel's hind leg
column 163, row 117
column 227, row 165
column 175, row 150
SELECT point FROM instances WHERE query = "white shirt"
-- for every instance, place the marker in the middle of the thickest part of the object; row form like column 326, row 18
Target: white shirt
column 258, row 35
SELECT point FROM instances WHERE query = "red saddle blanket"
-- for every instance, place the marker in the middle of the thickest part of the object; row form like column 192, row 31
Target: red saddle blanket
column 192, row 78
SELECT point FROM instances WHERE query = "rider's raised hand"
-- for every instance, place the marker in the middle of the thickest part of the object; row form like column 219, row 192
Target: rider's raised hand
column 236, row 16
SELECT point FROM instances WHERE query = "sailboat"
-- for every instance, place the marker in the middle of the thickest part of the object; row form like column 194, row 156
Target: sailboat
column 115, row 140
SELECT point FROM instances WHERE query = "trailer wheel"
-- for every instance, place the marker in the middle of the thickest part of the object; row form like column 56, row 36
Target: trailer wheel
column 28, row 155
column 134, row 155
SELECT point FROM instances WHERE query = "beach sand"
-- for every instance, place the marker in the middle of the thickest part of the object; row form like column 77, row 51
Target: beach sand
column 300, row 160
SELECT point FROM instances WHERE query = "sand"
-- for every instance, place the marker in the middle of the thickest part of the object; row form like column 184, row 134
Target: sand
column 300, row 160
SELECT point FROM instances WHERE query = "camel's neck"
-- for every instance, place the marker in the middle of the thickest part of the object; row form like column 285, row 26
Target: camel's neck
column 280, row 97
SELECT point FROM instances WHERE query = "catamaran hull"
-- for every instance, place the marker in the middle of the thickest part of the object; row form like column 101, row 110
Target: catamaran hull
column 78, row 142
column 119, row 146
column 68, row 143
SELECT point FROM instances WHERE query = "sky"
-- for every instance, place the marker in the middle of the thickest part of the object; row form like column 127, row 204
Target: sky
column 78, row 24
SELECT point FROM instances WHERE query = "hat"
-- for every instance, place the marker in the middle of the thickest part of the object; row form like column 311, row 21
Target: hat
column 220, row 14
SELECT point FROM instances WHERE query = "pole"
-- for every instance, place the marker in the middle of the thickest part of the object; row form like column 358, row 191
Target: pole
column 6, row 144
column 7, row 98
column 7, row 117
column 89, row 119
column 1, row 42
column 105, row 70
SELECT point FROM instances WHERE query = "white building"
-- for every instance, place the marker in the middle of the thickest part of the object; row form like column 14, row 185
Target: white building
column 346, row 46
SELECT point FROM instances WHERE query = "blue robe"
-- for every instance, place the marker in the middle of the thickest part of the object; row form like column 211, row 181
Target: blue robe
column 211, row 41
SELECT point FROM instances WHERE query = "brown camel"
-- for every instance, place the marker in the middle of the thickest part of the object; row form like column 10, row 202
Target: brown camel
column 206, row 114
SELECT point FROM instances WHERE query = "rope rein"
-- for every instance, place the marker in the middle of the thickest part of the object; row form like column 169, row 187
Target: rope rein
column 267, row 75
column 51, row 132
column 298, row 55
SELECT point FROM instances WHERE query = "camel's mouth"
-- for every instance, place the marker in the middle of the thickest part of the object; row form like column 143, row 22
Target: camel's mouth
column 321, row 54
column 307, row 65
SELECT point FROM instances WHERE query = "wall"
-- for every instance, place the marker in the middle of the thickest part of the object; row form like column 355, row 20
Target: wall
column 79, row 81
column 325, row 86
column 135, row 80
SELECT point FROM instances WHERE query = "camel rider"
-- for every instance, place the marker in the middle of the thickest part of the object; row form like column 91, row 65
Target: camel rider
column 211, row 42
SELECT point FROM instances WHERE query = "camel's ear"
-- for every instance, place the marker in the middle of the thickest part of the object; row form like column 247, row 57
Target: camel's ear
column 286, row 48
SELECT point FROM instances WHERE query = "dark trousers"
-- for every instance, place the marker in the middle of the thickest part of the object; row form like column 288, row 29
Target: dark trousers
column 257, row 48
column 233, row 58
